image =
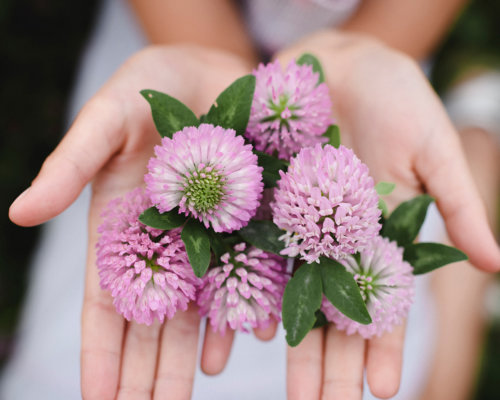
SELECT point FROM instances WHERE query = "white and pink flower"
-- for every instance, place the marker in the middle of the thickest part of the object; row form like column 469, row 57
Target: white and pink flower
column 290, row 110
column 146, row 270
column 327, row 204
column 387, row 285
column 245, row 291
column 209, row 173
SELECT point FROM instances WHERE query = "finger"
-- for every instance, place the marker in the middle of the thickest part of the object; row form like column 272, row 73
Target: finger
column 344, row 365
column 177, row 356
column 305, row 367
column 266, row 333
column 138, row 361
column 93, row 138
column 443, row 169
column 384, row 361
column 102, row 335
column 216, row 350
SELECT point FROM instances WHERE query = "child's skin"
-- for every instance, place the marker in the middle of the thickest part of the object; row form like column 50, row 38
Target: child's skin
column 416, row 147
column 113, row 137
column 459, row 290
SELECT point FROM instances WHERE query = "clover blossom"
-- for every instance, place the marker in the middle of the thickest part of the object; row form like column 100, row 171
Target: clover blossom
column 209, row 173
column 289, row 110
column 245, row 291
column 386, row 283
column 326, row 203
column 146, row 270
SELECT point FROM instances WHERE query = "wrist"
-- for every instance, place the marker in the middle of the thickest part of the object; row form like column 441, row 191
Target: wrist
column 340, row 52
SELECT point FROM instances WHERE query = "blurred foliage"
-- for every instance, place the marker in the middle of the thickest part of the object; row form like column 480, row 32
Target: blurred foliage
column 39, row 49
column 487, row 385
column 472, row 45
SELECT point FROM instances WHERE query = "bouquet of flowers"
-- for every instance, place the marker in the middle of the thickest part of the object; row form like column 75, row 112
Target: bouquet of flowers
column 256, row 212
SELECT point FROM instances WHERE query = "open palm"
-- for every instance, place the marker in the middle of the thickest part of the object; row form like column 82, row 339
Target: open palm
column 109, row 144
column 389, row 115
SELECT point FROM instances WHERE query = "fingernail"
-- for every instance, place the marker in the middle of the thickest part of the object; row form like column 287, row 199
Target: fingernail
column 23, row 194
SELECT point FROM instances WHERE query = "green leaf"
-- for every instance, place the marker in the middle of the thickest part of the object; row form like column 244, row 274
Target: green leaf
column 232, row 107
column 426, row 257
column 263, row 235
column 357, row 257
column 197, row 243
column 321, row 320
column 333, row 135
column 309, row 59
column 342, row 291
column 406, row 220
column 384, row 188
column 271, row 166
column 301, row 300
column 165, row 221
column 217, row 243
column 169, row 114
column 383, row 207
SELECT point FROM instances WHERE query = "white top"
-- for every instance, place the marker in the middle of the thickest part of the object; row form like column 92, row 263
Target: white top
column 279, row 23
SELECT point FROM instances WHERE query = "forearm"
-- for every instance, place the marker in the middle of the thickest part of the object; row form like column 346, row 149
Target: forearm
column 414, row 27
column 214, row 23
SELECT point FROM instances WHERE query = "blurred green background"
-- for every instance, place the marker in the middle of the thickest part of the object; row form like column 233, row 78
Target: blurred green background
column 40, row 45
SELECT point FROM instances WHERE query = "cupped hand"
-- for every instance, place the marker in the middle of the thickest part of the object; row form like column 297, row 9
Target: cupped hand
column 109, row 144
column 388, row 113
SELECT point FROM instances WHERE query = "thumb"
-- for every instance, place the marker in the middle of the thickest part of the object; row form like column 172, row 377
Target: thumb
column 443, row 169
column 94, row 137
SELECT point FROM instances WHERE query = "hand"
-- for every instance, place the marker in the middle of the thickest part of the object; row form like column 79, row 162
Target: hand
column 110, row 144
column 389, row 115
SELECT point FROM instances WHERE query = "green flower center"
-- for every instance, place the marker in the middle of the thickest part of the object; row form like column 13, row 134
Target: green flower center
column 365, row 284
column 152, row 264
column 282, row 111
column 204, row 188
column 366, row 279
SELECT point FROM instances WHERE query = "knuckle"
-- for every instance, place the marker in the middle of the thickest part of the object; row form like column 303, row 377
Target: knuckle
column 144, row 334
column 100, row 304
column 342, row 388
column 133, row 393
